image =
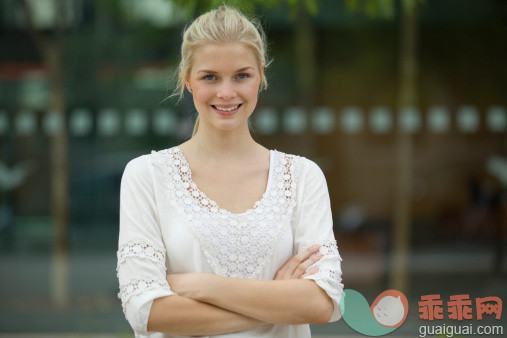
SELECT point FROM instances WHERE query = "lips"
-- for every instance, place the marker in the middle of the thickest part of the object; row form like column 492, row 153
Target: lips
column 226, row 109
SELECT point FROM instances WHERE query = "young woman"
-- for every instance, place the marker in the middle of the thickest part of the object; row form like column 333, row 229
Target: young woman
column 219, row 234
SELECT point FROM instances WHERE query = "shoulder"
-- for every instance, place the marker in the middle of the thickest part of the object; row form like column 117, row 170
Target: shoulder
column 139, row 169
column 302, row 166
column 138, row 165
column 164, row 155
column 144, row 164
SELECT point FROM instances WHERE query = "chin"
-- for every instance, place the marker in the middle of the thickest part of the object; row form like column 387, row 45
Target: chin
column 227, row 125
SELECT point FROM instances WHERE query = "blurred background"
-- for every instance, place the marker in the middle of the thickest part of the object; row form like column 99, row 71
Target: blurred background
column 403, row 104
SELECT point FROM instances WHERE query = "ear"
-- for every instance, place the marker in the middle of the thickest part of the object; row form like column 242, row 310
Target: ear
column 187, row 84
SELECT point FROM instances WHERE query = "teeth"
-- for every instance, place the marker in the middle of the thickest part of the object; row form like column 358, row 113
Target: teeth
column 227, row 109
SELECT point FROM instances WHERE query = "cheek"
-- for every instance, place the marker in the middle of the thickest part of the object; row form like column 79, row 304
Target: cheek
column 202, row 94
column 252, row 90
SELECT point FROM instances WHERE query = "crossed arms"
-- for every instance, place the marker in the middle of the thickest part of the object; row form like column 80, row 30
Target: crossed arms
column 208, row 304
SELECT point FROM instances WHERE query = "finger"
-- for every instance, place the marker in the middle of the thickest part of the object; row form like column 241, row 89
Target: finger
column 287, row 270
column 300, row 258
column 312, row 271
column 283, row 270
column 301, row 269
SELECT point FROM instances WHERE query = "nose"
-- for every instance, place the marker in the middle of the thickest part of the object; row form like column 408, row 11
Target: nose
column 226, row 90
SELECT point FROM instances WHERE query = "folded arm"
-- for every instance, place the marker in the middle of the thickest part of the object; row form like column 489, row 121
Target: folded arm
column 286, row 300
column 277, row 301
column 184, row 316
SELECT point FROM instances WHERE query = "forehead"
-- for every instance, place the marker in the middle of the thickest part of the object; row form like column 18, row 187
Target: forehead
column 226, row 57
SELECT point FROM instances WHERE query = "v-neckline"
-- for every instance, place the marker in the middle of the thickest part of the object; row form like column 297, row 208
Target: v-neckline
column 219, row 209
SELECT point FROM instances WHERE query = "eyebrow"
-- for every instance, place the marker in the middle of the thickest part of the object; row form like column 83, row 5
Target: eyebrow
column 213, row 72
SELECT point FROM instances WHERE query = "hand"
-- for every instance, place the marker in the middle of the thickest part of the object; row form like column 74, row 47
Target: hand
column 296, row 267
column 188, row 284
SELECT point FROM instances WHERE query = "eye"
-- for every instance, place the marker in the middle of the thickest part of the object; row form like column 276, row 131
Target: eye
column 243, row 76
column 208, row 77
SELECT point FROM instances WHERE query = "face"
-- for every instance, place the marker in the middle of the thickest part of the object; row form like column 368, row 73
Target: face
column 225, row 83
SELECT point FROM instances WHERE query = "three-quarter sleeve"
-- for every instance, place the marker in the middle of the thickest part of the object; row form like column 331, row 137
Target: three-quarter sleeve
column 141, row 253
column 314, row 225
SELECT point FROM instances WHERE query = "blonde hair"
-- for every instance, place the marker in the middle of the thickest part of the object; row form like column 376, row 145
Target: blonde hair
column 224, row 24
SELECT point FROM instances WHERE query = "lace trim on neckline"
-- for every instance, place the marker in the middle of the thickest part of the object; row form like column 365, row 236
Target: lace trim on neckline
column 235, row 245
column 195, row 193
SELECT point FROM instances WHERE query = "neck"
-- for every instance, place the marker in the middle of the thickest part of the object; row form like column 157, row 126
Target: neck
column 221, row 145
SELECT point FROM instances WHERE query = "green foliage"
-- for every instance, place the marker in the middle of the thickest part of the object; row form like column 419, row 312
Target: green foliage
column 193, row 7
column 383, row 9
column 373, row 8
column 408, row 5
column 113, row 9
column 311, row 6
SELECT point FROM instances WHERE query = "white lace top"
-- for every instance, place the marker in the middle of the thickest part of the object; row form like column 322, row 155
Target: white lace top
column 167, row 225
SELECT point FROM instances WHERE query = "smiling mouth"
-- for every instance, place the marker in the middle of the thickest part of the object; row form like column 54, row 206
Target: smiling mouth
column 228, row 109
